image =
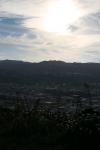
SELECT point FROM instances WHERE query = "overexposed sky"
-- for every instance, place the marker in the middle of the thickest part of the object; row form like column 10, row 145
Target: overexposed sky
column 37, row 30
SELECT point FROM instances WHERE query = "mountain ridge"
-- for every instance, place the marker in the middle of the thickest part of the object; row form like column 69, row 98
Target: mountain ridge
column 48, row 71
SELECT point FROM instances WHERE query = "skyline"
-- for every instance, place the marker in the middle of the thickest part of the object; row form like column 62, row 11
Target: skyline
column 38, row 30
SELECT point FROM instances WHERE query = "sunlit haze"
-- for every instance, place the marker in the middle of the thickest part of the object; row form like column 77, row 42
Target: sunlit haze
column 60, row 15
column 37, row 30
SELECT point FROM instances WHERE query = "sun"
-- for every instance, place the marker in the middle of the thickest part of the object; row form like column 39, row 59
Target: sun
column 60, row 15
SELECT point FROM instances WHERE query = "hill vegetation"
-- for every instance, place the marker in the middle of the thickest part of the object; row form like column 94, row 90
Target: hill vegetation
column 47, row 129
column 49, row 72
column 20, row 130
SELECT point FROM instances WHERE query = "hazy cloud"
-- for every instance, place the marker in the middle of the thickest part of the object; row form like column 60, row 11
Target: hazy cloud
column 22, row 37
column 89, row 24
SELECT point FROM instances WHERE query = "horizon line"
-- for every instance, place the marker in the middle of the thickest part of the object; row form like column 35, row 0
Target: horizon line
column 48, row 61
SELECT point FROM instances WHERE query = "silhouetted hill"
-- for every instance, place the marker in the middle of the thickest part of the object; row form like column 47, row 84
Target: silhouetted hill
column 49, row 72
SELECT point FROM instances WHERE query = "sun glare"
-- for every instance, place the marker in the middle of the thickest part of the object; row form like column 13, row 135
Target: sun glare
column 60, row 15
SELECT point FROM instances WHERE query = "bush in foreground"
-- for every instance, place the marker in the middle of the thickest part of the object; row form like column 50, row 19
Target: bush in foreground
column 20, row 130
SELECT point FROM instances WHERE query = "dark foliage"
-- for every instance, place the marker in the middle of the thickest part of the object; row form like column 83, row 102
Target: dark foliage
column 20, row 130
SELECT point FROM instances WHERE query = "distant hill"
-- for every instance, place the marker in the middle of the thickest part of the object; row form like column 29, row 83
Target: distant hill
column 48, row 72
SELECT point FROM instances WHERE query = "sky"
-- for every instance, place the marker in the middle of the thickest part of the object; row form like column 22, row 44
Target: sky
column 38, row 30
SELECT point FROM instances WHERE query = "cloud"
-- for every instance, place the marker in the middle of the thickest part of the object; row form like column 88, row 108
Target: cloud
column 89, row 6
column 22, row 35
column 14, row 26
column 89, row 24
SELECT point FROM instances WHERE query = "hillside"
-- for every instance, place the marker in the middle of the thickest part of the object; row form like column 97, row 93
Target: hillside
column 48, row 72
